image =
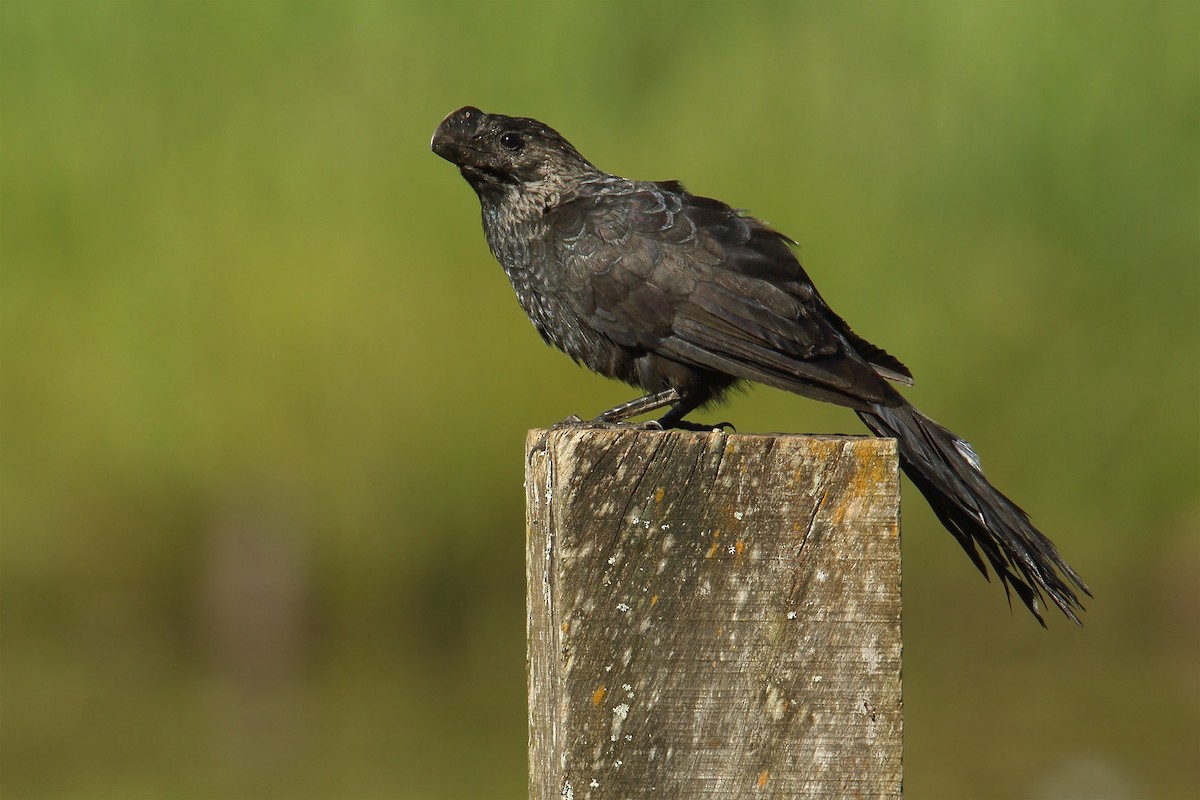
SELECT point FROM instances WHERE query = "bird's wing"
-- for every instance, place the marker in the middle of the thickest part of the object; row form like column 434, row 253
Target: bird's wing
column 690, row 279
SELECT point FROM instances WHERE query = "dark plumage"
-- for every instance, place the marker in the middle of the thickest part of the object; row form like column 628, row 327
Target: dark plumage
column 685, row 296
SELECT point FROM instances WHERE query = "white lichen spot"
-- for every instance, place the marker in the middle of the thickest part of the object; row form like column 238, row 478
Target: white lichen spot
column 664, row 526
column 817, row 678
column 791, row 615
column 622, row 607
column 567, row 792
column 620, row 714
column 612, row 559
column 775, row 705
column 732, row 549
column 595, row 784
column 608, row 668
column 822, row 575
column 870, row 656
column 738, row 515
column 662, row 567
column 628, row 689
column 706, row 588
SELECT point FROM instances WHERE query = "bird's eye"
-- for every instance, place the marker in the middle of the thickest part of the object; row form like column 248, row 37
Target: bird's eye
column 512, row 141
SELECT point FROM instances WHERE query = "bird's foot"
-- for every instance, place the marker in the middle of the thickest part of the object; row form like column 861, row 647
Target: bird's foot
column 701, row 427
column 603, row 423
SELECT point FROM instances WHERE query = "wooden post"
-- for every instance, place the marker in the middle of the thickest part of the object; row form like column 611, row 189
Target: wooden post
column 712, row 616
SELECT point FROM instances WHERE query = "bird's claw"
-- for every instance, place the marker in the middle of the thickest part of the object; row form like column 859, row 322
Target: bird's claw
column 701, row 427
column 600, row 423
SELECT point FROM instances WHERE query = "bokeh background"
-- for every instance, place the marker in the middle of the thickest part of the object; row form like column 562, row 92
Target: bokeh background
column 263, row 391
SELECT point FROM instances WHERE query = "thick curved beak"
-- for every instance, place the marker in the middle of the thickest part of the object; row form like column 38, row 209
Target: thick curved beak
column 452, row 138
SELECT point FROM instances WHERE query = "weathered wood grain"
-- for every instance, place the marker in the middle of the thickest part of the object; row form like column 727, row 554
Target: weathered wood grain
column 712, row 616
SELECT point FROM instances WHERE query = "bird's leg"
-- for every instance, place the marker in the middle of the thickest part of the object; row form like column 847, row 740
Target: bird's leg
column 681, row 406
column 641, row 405
column 686, row 405
column 615, row 417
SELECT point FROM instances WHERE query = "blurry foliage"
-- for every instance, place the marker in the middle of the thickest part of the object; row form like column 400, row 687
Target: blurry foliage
column 263, row 391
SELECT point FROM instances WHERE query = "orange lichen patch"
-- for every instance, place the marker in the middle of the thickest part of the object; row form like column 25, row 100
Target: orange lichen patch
column 653, row 600
column 762, row 779
column 712, row 551
column 865, row 481
column 871, row 474
column 739, row 546
column 566, row 626
column 598, row 696
column 659, row 494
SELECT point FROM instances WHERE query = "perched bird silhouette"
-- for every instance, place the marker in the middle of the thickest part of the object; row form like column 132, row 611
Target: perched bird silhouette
column 684, row 297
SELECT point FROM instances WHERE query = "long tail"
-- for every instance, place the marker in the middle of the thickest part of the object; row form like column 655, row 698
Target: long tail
column 947, row 472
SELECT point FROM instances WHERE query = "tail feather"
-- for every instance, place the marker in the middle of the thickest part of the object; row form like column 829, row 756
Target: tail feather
column 986, row 523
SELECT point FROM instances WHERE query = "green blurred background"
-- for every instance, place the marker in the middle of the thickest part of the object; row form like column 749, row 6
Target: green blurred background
column 264, row 390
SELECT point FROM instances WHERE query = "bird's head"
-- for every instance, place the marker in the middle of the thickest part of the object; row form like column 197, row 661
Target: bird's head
column 496, row 153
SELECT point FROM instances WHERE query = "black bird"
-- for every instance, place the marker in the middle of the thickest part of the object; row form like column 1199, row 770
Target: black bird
column 684, row 296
